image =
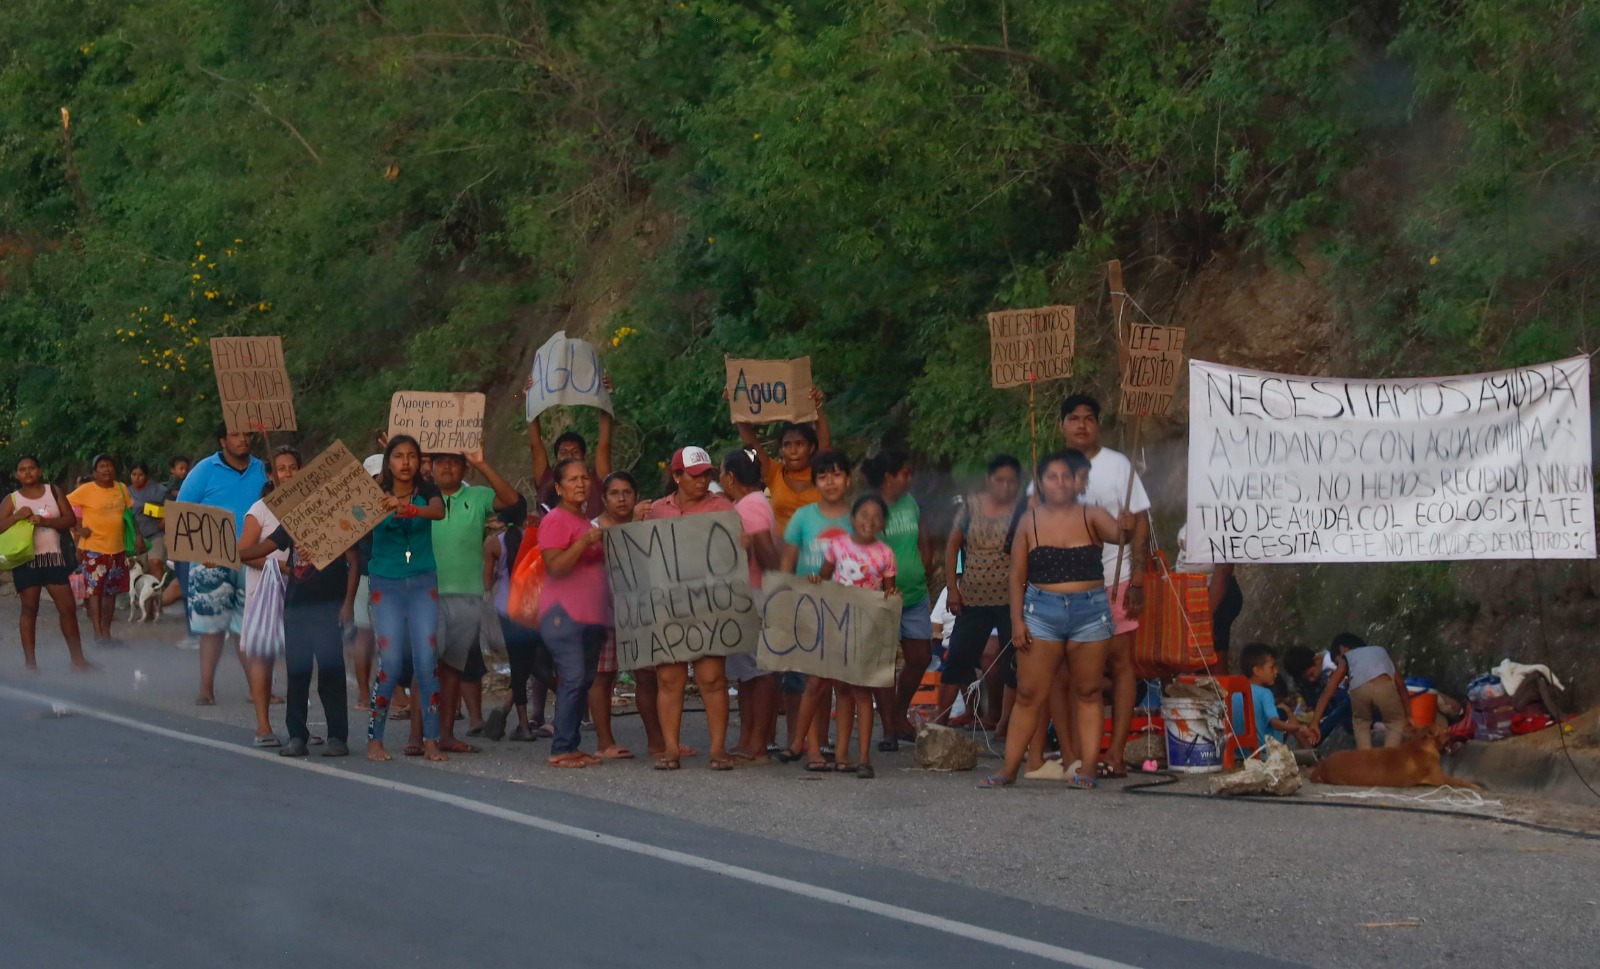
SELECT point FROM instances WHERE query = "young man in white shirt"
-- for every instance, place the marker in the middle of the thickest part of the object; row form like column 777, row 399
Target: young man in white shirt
column 1109, row 473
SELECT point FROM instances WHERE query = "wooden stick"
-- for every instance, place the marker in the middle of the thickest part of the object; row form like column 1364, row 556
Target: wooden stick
column 1033, row 436
column 1127, row 499
column 1119, row 305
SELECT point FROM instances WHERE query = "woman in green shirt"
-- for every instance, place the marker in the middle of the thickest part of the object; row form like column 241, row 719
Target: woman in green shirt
column 889, row 474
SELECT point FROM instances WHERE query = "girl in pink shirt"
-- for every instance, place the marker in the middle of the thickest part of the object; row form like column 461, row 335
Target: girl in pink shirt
column 866, row 563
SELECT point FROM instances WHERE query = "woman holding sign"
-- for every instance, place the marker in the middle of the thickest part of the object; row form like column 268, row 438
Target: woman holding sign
column 405, row 595
column 1059, row 609
column 48, row 516
column 261, row 633
column 692, row 472
column 788, row 479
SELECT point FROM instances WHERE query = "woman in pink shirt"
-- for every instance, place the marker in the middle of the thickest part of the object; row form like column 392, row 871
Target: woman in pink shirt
column 692, row 472
column 574, row 608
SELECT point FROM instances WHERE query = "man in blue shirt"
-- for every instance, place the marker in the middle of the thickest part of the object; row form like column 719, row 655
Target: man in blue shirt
column 231, row 479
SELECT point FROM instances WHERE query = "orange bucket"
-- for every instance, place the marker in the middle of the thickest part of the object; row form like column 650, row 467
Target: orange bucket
column 1424, row 708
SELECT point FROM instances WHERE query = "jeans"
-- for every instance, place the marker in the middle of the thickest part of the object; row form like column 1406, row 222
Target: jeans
column 405, row 621
column 575, row 649
column 311, row 632
column 1078, row 617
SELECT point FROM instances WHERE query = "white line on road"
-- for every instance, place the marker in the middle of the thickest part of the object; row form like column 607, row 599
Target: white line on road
column 977, row 933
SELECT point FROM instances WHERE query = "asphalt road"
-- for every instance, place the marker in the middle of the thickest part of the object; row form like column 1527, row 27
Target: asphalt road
column 126, row 847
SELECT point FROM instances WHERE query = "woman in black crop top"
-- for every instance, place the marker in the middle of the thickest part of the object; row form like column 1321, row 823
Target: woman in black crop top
column 1059, row 611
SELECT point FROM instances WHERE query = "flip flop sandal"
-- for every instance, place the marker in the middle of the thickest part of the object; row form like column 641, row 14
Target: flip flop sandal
column 268, row 741
column 667, row 763
column 890, row 745
column 475, row 731
column 841, row 768
column 567, row 760
column 404, row 713
column 721, row 763
column 1082, row 783
column 1103, row 771
column 994, row 782
column 865, row 772
column 819, row 767
column 412, row 750
column 460, row 747
column 740, row 755
column 522, row 734
column 787, row 756
column 615, row 752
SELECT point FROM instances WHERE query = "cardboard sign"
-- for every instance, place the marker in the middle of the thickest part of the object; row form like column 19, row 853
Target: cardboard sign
column 566, row 372
column 827, row 629
column 441, row 423
column 680, row 590
column 328, row 505
column 201, row 533
column 1327, row 469
column 764, row 391
column 253, row 383
column 1031, row 345
column 1152, row 364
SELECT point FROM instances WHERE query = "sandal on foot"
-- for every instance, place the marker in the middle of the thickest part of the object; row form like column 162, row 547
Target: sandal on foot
column 865, row 772
column 268, row 740
column 573, row 759
column 787, row 756
column 1081, row 782
column 840, row 767
column 400, row 713
column 1103, row 771
column 667, row 763
column 994, row 782
column 819, row 767
column 721, row 763
column 616, row 752
column 412, row 750
column 459, row 747
column 889, row 745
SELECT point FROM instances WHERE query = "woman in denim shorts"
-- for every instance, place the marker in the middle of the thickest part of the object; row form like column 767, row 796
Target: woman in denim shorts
column 1059, row 609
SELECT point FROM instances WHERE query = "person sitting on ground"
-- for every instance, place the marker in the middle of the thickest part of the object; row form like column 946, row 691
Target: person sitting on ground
column 1308, row 671
column 1259, row 664
column 1375, row 685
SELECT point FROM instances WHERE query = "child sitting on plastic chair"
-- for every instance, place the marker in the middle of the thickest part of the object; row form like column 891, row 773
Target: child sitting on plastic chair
column 1259, row 664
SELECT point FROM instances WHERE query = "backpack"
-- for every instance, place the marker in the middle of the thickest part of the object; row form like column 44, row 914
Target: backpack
column 527, row 578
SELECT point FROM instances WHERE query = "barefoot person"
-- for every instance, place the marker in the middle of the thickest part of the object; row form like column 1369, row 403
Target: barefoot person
column 1059, row 610
column 574, row 608
column 860, row 560
column 692, row 472
column 261, row 632
column 46, row 509
column 621, row 498
column 405, row 592
column 805, row 543
column 103, row 548
column 889, row 474
column 1108, row 489
column 758, row 689
column 230, row 479
column 458, row 555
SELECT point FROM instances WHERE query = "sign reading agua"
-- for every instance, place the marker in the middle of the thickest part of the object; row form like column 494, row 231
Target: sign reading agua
column 566, row 371
column 764, row 391
column 1324, row 469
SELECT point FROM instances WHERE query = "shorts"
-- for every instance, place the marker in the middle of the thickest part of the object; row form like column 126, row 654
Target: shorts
column 364, row 604
column 1079, row 617
column 607, row 663
column 155, row 549
column 31, row 575
column 970, row 636
column 916, row 622
column 742, row 668
column 1119, row 612
column 794, row 684
column 214, row 597
column 460, row 622
column 106, row 573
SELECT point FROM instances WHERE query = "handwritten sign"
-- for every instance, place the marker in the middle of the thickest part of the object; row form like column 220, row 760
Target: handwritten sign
column 1151, row 368
column 829, row 630
column 1325, row 469
column 1032, row 345
column 441, row 423
column 566, row 372
column 328, row 505
column 201, row 533
column 253, row 383
column 680, row 590
column 763, row 391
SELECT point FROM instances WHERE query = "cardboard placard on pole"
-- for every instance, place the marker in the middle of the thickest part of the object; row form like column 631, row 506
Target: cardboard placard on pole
column 441, row 423
column 566, row 372
column 827, row 629
column 764, row 391
column 253, row 383
column 680, row 588
column 1151, row 369
column 328, row 505
column 200, row 533
column 1032, row 345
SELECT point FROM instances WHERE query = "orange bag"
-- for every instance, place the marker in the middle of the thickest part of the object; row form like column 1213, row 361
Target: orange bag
column 1174, row 634
column 527, row 581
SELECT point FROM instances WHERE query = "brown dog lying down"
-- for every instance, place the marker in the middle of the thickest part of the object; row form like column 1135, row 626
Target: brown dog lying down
column 1412, row 764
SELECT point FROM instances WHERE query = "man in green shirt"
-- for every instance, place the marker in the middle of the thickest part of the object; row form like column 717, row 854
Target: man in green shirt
column 458, row 557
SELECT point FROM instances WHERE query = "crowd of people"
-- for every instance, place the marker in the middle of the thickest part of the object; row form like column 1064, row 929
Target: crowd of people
column 1041, row 598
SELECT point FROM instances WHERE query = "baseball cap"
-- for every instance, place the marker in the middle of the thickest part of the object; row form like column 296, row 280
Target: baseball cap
column 373, row 464
column 693, row 460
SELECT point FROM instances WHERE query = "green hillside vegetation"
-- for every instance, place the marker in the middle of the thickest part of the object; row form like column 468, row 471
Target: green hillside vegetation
column 408, row 191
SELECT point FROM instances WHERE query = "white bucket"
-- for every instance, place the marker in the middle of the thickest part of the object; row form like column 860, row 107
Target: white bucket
column 1194, row 735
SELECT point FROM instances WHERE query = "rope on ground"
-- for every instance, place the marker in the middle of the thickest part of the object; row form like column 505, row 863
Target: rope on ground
column 1444, row 795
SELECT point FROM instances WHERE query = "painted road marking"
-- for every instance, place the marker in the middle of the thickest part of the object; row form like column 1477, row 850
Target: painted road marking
column 965, row 930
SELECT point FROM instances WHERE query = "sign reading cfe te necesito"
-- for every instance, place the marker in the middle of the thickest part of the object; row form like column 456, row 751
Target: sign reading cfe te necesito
column 1324, row 469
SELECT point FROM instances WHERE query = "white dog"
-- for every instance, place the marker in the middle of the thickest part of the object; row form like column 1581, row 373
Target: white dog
column 144, row 594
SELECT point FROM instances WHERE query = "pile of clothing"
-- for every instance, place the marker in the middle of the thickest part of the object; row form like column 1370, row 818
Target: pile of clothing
column 1512, row 699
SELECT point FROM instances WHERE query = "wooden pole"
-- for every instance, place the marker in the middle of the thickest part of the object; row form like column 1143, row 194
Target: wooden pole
column 1127, row 499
